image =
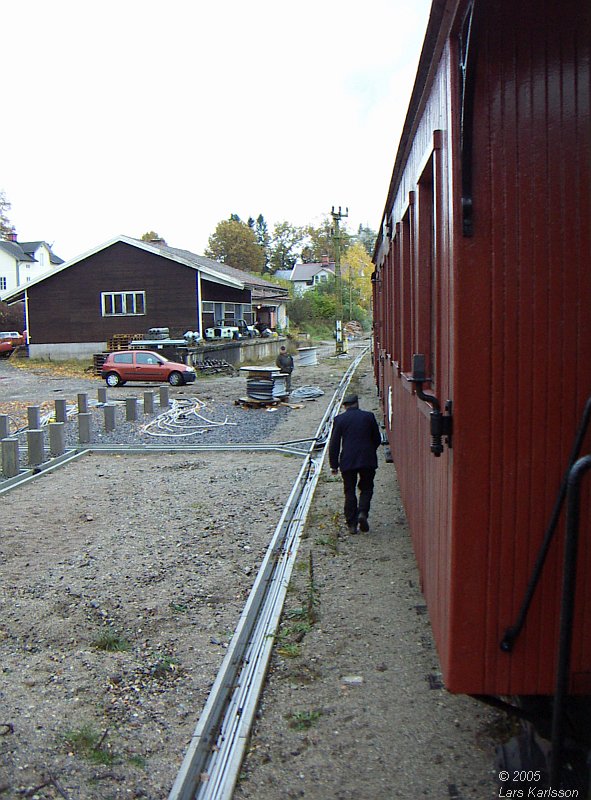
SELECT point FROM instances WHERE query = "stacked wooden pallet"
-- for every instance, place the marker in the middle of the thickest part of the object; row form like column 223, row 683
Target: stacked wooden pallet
column 121, row 341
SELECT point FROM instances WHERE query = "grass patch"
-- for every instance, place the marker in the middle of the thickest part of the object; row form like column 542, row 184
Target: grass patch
column 111, row 641
column 297, row 613
column 164, row 666
column 88, row 743
column 289, row 650
column 138, row 761
column 331, row 542
column 304, row 720
column 69, row 368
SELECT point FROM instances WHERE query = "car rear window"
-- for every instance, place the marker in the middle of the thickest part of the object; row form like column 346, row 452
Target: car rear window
column 123, row 358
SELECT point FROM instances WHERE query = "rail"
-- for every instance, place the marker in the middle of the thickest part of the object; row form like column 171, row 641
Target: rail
column 211, row 765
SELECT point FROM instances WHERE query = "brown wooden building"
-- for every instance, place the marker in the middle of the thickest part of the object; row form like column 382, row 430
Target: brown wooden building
column 127, row 286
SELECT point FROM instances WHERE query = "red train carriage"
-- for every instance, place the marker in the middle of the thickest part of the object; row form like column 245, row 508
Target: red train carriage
column 482, row 306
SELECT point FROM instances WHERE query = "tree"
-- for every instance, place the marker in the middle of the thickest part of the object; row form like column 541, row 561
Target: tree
column 261, row 230
column 284, row 242
column 319, row 242
column 12, row 318
column 367, row 237
column 152, row 236
column 235, row 244
column 356, row 269
column 6, row 229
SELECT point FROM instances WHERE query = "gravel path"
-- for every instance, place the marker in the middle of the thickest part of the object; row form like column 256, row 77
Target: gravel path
column 123, row 576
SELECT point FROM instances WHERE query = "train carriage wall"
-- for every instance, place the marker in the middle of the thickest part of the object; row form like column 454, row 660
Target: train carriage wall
column 483, row 265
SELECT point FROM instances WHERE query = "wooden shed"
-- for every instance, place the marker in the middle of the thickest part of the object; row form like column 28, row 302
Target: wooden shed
column 127, row 286
column 483, row 268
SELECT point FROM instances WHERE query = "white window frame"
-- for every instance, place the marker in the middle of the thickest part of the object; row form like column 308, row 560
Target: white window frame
column 3, row 283
column 123, row 304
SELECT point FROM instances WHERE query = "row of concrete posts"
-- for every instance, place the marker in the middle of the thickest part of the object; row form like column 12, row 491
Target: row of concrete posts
column 36, row 451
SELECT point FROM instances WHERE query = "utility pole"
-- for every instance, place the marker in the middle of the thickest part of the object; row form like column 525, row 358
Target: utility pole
column 337, row 216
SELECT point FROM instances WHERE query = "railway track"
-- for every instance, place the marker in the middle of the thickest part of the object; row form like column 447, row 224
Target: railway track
column 212, row 761
column 211, row 765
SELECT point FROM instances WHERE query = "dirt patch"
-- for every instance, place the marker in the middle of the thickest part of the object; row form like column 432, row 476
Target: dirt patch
column 122, row 579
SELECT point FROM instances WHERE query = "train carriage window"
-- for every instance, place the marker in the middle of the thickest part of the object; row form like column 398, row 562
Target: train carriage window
column 406, row 294
column 394, row 300
column 425, row 267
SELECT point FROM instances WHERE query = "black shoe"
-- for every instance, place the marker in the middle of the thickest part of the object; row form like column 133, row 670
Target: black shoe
column 363, row 523
column 352, row 528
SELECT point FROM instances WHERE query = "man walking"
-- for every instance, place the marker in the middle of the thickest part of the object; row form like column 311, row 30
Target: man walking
column 285, row 363
column 353, row 444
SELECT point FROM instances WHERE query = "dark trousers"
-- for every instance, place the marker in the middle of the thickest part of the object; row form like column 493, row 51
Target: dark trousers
column 352, row 508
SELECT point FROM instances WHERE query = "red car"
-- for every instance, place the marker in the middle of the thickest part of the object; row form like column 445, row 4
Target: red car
column 144, row 365
column 9, row 340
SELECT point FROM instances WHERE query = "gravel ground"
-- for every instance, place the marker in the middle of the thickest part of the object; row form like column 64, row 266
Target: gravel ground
column 122, row 577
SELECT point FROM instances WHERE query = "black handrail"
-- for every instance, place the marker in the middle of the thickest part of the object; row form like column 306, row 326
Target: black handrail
column 511, row 634
column 569, row 584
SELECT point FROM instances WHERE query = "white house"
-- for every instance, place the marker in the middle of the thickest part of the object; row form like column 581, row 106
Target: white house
column 306, row 276
column 22, row 262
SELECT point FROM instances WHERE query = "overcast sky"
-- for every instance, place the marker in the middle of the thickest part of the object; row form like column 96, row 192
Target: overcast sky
column 124, row 116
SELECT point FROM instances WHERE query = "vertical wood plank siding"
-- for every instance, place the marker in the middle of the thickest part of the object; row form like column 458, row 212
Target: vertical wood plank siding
column 528, row 265
column 511, row 339
column 171, row 299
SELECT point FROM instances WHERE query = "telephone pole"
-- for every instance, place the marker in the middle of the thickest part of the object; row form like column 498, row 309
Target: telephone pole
column 341, row 342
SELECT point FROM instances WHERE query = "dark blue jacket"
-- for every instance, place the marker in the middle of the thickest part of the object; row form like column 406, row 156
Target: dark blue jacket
column 354, row 440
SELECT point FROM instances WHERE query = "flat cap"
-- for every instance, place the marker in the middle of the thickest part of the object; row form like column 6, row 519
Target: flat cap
column 350, row 400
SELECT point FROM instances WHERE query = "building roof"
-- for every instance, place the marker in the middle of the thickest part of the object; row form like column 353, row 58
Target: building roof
column 31, row 248
column 284, row 274
column 305, row 272
column 247, row 278
column 15, row 250
column 212, row 270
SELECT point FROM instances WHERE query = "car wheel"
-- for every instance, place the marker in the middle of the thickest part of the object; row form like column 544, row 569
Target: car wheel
column 113, row 379
column 175, row 378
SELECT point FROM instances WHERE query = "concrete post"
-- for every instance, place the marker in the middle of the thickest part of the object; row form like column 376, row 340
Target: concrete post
column 83, row 403
column 61, row 411
column 4, row 426
column 57, row 439
column 148, row 402
column 84, row 427
column 102, row 395
column 109, row 412
column 10, row 466
column 131, row 409
column 34, row 418
column 35, row 447
column 164, row 397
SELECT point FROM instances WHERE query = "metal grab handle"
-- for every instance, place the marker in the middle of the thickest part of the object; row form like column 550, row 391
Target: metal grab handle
column 569, row 585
